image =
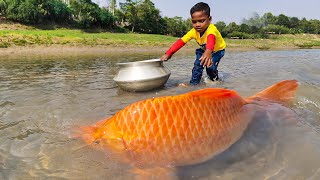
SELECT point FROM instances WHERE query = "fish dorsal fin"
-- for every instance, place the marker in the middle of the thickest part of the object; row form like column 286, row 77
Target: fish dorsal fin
column 214, row 93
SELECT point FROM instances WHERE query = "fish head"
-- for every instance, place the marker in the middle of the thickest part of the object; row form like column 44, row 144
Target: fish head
column 109, row 139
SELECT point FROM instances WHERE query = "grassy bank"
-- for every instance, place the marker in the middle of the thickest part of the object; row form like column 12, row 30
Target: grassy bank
column 34, row 37
column 25, row 39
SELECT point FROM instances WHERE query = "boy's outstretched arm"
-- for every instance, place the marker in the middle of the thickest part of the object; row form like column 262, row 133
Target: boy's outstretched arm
column 174, row 48
column 206, row 58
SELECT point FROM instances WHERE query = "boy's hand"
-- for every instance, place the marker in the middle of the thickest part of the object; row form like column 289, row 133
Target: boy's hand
column 206, row 58
column 165, row 57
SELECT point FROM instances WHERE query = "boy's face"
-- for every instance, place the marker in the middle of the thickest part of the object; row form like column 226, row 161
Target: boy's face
column 200, row 21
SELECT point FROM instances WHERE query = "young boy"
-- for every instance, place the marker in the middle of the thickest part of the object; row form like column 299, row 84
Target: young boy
column 211, row 43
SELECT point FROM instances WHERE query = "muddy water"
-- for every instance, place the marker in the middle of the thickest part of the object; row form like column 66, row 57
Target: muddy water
column 42, row 100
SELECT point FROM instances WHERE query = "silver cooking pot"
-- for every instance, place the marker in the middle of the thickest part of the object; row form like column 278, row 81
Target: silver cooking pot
column 142, row 75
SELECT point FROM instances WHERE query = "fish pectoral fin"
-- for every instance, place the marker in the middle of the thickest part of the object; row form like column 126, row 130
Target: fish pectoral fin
column 168, row 173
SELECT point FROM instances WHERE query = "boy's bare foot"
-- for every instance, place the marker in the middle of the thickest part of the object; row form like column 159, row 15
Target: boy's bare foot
column 183, row 85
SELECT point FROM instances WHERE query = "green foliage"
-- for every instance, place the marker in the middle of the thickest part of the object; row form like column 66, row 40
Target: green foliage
column 86, row 13
column 56, row 11
column 4, row 44
column 176, row 26
column 27, row 11
column 222, row 27
column 149, row 21
column 277, row 29
column 240, row 35
column 244, row 28
column 143, row 17
column 283, row 20
column 3, row 7
column 232, row 27
column 106, row 18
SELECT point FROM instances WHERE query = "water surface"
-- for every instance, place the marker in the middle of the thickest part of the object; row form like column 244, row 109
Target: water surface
column 41, row 100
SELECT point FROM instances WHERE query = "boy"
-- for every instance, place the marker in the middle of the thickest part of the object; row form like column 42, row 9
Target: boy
column 211, row 43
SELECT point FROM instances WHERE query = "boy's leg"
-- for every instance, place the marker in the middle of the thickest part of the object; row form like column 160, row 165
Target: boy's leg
column 197, row 69
column 213, row 70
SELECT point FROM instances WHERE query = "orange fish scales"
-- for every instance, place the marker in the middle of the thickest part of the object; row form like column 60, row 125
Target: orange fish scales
column 183, row 129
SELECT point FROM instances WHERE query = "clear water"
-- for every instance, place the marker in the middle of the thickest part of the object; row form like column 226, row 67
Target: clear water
column 41, row 100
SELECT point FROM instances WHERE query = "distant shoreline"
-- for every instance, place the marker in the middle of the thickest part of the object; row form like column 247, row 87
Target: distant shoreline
column 23, row 42
column 66, row 51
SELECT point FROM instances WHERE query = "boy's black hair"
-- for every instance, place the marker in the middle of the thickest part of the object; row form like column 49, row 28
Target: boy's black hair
column 201, row 6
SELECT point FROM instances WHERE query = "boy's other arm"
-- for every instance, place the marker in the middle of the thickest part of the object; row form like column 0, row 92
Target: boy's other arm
column 174, row 48
column 206, row 58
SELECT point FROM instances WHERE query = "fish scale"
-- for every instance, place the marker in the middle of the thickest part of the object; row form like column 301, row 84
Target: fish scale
column 184, row 129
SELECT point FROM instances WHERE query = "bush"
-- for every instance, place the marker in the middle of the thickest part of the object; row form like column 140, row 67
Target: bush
column 240, row 35
column 277, row 29
column 56, row 11
column 106, row 18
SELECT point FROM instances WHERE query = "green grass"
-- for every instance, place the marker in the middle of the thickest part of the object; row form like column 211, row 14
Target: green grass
column 72, row 37
column 26, row 37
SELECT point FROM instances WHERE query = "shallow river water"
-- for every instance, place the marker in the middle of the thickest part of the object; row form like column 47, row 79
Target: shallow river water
column 42, row 100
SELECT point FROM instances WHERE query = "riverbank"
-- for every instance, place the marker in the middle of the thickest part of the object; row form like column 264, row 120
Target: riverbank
column 20, row 41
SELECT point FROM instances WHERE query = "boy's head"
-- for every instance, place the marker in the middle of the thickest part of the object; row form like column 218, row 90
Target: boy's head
column 200, row 16
column 201, row 6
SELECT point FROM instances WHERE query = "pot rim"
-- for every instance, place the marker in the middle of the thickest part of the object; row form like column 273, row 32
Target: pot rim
column 137, row 63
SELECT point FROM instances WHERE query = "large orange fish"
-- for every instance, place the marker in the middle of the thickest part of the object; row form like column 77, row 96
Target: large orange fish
column 183, row 129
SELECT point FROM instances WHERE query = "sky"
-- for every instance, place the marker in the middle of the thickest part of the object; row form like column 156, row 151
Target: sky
column 236, row 10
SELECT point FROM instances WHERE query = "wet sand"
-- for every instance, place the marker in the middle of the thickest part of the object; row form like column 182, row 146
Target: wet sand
column 65, row 51
column 58, row 52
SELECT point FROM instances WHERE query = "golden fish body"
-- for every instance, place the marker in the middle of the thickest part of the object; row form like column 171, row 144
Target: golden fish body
column 184, row 129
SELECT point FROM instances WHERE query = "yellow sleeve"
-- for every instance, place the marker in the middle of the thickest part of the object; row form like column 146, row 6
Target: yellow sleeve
column 190, row 35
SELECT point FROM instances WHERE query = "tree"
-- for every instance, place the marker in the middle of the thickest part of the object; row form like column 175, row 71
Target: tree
column 283, row 20
column 112, row 6
column 294, row 22
column 106, row 18
column 269, row 18
column 86, row 13
column 305, row 25
column 314, row 26
column 149, row 19
column 244, row 28
column 56, row 11
column 29, row 11
column 222, row 27
column 142, row 16
column 129, row 12
column 232, row 27
column 3, row 7
column 176, row 26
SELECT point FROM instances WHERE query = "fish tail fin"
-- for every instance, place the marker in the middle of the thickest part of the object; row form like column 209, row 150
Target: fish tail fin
column 282, row 92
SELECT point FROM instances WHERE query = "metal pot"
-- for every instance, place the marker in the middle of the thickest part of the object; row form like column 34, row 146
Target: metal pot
column 142, row 75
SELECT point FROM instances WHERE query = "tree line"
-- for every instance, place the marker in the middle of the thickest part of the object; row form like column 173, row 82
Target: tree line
column 142, row 16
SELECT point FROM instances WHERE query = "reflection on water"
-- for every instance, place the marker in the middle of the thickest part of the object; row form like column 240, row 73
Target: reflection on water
column 41, row 100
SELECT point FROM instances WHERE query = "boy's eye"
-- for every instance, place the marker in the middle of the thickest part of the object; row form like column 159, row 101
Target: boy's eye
column 200, row 21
